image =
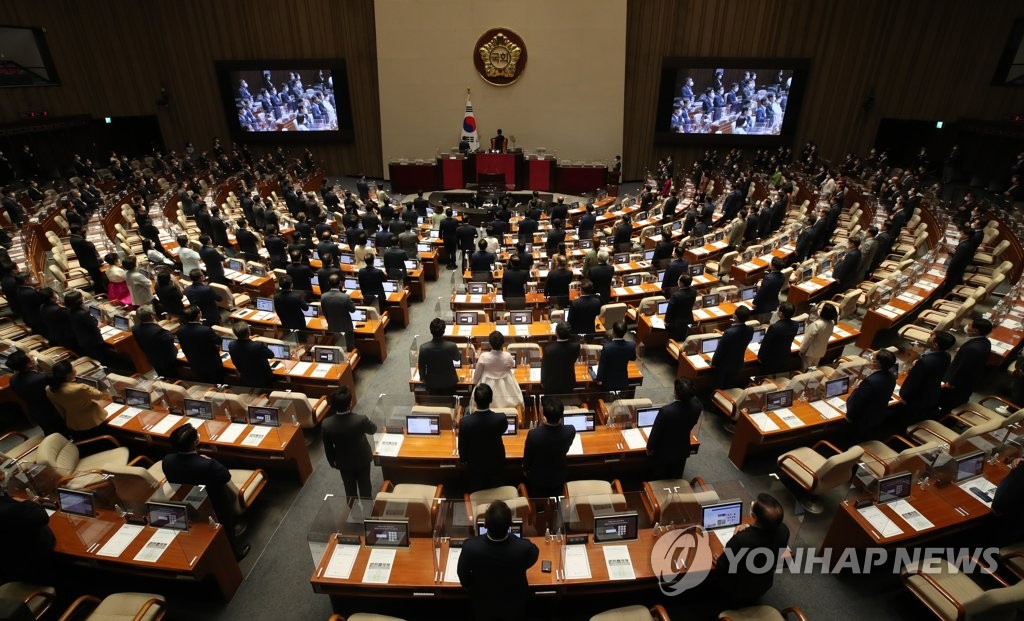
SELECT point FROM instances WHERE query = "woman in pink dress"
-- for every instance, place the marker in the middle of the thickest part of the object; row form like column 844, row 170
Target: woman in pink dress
column 117, row 285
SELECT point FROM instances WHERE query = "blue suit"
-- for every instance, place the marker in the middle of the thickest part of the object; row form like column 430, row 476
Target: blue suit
column 613, row 368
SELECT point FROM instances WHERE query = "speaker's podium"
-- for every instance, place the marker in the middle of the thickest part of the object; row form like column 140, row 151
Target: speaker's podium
column 453, row 170
column 495, row 163
column 540, row 168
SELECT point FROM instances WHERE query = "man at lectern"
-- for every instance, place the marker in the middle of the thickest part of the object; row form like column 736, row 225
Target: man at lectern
column 464, row 145
column 498, row 142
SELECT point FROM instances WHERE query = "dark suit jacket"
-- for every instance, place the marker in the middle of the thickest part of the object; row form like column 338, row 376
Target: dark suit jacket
column 205, row 299
column 466, row 234
column 742, row 584
column 554, row 238
column 248, row 244
column 613, row 368
column 57, row 320
column 958, row 262
column 32, row 538
column 544, row 461
column 30, row 386
column 252, row 360
column 558, row 367
column 345, row 443
column 481, row 261
column 845, row 273
column 679, row 315
column 675, row 269
column 194, row 469
column 920, row 389
column 158, row 345
column 527, row 227
column 766, row 299
column 480, row 444
column 87, row 334
column 371, row 282
column 513, row 283
column 968, row 365
column 867, row 404
column 437, row 364
column 201, row 347
column 336, row 306
column 557, row 285
column 582, row 313
column 669, row 440
column 729, row 354
column 289, row 306
column 587, row 223
column 776, row 346
column 213, row 261
column 494, row 573
column 448, row 228
column 85, row 252
column 302, row 276
column 601, row 275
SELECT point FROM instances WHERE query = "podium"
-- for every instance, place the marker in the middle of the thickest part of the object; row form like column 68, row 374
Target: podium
column 577, row 179
column 411, row 177
column 453, row 171
column 494, row 163
column 541, row 173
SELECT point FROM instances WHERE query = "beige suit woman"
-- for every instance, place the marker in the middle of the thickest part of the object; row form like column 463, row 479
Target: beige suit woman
column 817, row 335
column 496, row 368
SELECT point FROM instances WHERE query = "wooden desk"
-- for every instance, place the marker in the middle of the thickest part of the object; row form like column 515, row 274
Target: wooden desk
column 124, row 343
column 538, row 330
column 202, row 553
column 431, row 269
column 369, row 334
column 701, row 254
column 529, row 378
column 751, row 271
column 801, row 295
column 889, row 315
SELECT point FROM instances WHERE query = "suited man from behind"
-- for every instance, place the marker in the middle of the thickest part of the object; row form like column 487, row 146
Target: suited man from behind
column 668, row 444
column 201, row 347
column 185, row 466
column 728, row 358
column 289, row 304
column 775, row 351
column 466, row 235
column 493, row 568
column 346, row 446
column 31, row 541
column 675, row 269
column 544, row 454
column 847, row 269
column 766, row 300
column 601, row 275
column 968, row 365
column 449, row 236
column 805, row 239
column 767, row 535
column 513, row 284
column 921, row 388
column 251, row 359
column 867, row 404
column 30, row 385
column 337, row 308
column 958, row 262
column 156, row 342
column 587, row 223
column 480, row 442
column 558, row 365
column 371, row 283
column 436, row 361
column 88, row 258
column 555, row 238
column 613, row 367
column 86, row 328
column 679, row 316
column 213, row 261
column 202, row 296
column 583, row 311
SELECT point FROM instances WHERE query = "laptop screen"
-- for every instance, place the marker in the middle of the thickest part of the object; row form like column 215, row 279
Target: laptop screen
column 837, row 387
column 88, row 381
column 894, row 487
column 423, row 425
column 586, row 244
column 758, row 335
column 411, row 264
column 709, row 300
column 358, row 315
column 649, row 255
column 167, row 515
column 970, row 466
column 280, row 351
column 96, row 312
column 265, row 416
column 327, row 355
column 722, row 515
column 137, row 398
column 646, row 416
column 520, row 317
column 466, row 318
column 198, row 408
column 391, row 286
column 800, row 327
column 748, row 293
column 616, row 527
column 422, row 247
column 662, row 308
column 513, row 425
column 516, row 528
column 235, row 264
column 350, row 283
column 808, row 272
column 265, row 304
column 708, row 346
column 631, row 280
column 779, row 399
column 121, row 322
column 257, row 270
column 583, row 421
column 476, row 288
column 76, row 502
column 386, row 533
column 346, row 258
column 621, row 258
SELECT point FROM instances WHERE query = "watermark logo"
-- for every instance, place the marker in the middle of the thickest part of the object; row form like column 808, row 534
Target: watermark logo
column 681, row 559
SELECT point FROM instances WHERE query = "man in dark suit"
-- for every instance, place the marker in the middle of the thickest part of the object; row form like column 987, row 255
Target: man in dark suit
column 867, row 405
column 958, row 262
column 14, row 210
column 201, row 347
column 583, row 311
column 622, row 236
column 601, row 275
column 449, row 228
column 86, row 328
column 493, row 567
column 544, row 463
column 436, row 361
column 558, row 366
column 513, row 284
column 371, row 283
column 587, row 223
column 767, row 535
column 248, row 243
column 805, row 239
column 527, row 227
column 337, row 308
column 707, row 213
column 775, row 351
column 394, row 262
column 363, row 188
column 968, row 365
column 668, row 444
column 326, row 246
column 556, row 286
column 213, row 261
column 481, row 262
column 663, row 249
column 202, row 296
column 847, row 269
column 185, row 466
column 728, row 358
column 613, row 366
column 276, row 247
column 156, row 342
column 345, row 444
column 251, row 359
column 31, row 541
column 679, row 316
column 88, row 258
column 30, row 386
column 555, row 238
column 732, row 205
column 480, row 446
column 675, row 269
column 218, row 229
column 204, row 221
column 289, row 304
column 766, row 300
column 921, row 388
column 668, row 210
column 466, row 235
column 559, row 210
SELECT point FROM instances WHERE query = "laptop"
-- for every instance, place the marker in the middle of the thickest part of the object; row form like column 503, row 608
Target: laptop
column 358, row 315
column 711, row 299
column 199, row 408
column 970, row 466
column 422, row 247
column 747, row 293
column 315, row 280
column 412, row 264
column 837, row 387
column 346, row 258
column 748, row 255
column 265, row 304
column 513, row 425
column 138, row 398
column 677, row 225
column 516, row 528
column 582, row 422
column 121, row 323
column 476, row 288
column 586, row 244
column 257, row 270
column 758, row 336
column 236, row 265
column 826, row 265
column 96, row 312
column 807, row 273
column 74, row 502
column 621, row 258
column 631, row 280
column 226, row 343
column 662, row 308
column 520, row 317
column 616, row 527
column 800, row 327
column 386, row 533
column 727, row 514
column 264, row 416
column 423, row 425
column 312, row 311
column 391, row 286
column 170, row 515
column 88, row 381
column 708, row 346
column 326, row 355
column 697, row 269
column 778, row 399
column 466, row 318
column 280, row 351
column 649, row 255
column 435, row 234
column 646, row 417
column 894, row 487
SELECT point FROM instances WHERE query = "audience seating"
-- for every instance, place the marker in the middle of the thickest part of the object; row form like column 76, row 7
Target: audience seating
column 117, row 607
column 37, row 598
column 633, row 613
column 952, row 595
column 815, row 474
column 762, row 613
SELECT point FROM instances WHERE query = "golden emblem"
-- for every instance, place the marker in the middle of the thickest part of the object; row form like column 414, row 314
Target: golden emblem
column 500, row 56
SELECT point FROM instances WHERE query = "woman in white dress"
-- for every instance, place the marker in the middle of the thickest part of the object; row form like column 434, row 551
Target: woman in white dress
column 816, row 336
column 496, row 369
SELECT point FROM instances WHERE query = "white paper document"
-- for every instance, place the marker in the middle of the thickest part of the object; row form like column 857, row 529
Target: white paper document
column 981, row 489
column 827, row 412
column 788, row 417
column 321, row 370
column 618, row 562
column 577, row 563
column 764, row 423
column 300, row 368
column 451, row 566
column 878, row 520
column 837, row 403
column 910, row 515
column 534, row 374
column 112, row 408
column 724, row 534
column 698, row 361
column 126, row 415
column 166, row 424
column 378, row 566
column 154, row 548
column 634, row 439
column 576, row 448
column 121, row 540
column 700, row 313
column 342, row 559
column 231, row 432
column 256, row 436
column 390, row 444
column 657, row 323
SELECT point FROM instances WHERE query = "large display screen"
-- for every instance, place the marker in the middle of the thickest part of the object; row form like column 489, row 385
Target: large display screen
column 734, row 100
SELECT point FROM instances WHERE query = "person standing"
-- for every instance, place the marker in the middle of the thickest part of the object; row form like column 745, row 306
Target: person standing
column 868, row 403
column 289, row 306
column 251, row 359
column 345, row 444
column 156, row 342
column 338, row 307
column 558, row 365
column 200, row 345
column 767, row 535
column 30, row 386
column 968, row 366
column 436, row 361
column 777, row 344
column 817, row 335
column 732, row 347
column 613, row 366
column 679, row 316
column 544, row 454
column 449, row 236
column 668, row 444
column 583, row 311
column 481, row 448
column 921, row 388
column 766, row 300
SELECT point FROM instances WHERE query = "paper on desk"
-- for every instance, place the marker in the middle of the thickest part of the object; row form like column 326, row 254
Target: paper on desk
column 378, row 566
column 657, row 323
column 618, row 562
column 126, row 415
column 787, row 416
column 112, row 407
column 166, row 424
column 195, row 422
column 321, row 370
column 878, row 520
column 534, row 374
column 231, row 432
column 987, row 490
column 503, row 329
column 451, row 566
column 449, row 330
column 300, row 368
column 724, row 534
column 764, row 423
column 390, row 444
column 827, row 412
column 577, row 563
column 342, row 559
column 717, row 312
column 121, row 540
column 519, row 330
column 576, row 448
column 476, row 299
column 698, row 361
column 464, row 331
column 911, row 515
column 256, row 436
column 840, row 333
column 700, row 313
column 154, row 548
column 837, row 403
column 634, row 439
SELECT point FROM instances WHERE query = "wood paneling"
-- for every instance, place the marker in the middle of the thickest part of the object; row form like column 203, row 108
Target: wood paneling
column 918, row 60
column 112, row 58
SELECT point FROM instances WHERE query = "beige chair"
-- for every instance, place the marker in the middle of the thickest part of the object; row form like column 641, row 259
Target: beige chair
column 308, row 411
column 446, row 416
column 418, row 503
column 38, row 599
column 935, row 431
column 847, row 302
column 990, row 258
column 531, row 351
column 951, row 595
column 57, row 452
column 612, row 313
column 64, row 282
column 882, row 460
column 228, row 300
column 762, row 613
column 516, row 498
column 852, row 366
column 731, row 401
column 591, row 497
column 815, row 474
column 692, row 343
column 676, row 500
column 633, row 613
column 988, row 409
column 1012, row 557
column 722, row 266
column 649, row 305
column 117, row 607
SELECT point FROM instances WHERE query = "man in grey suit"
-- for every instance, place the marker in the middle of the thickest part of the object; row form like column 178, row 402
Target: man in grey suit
column 336, row 306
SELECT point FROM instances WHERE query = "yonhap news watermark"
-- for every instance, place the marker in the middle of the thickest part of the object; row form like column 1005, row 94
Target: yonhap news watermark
column 683, row 559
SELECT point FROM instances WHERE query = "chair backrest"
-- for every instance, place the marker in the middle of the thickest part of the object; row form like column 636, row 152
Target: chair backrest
column 419, row 511
column 692, row 342
column 837, row 470
column 977, row 430
column 530, row 349
column 58, row 273
column 134, row 485
column 1000, row 248
column 649, row 305
column 728, row 260
column 225, row 299
column 446, row 415
column 58, row 452
column 611, row 313
column 848, row 305
column 997, row 603
column 804, row 380
column 299, row 404
column 174, row 395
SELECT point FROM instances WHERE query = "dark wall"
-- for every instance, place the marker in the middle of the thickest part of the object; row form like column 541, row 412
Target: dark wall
column 917, row 60
column 112, row 58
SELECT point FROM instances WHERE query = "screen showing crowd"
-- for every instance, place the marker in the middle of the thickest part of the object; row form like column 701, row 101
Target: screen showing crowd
column 285, row 100
column 730, row 101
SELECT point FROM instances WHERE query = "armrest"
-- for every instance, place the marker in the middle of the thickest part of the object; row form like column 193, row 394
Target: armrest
column 658, row 613
column 141, row 459
column 941, row 439
column 898, row 438
column 803, row 466
column 16, row 434
column 79, row 603
column 439, row 491
column 522, row 492
column 943, row 592
column 825, row 443
column 144, row 611
column 616, row 486
column 1002, row 401
column 386, row 486
column 698, row 481
column 245, row 486
column 106, row 438
column 796, row 612
column 873, row 456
